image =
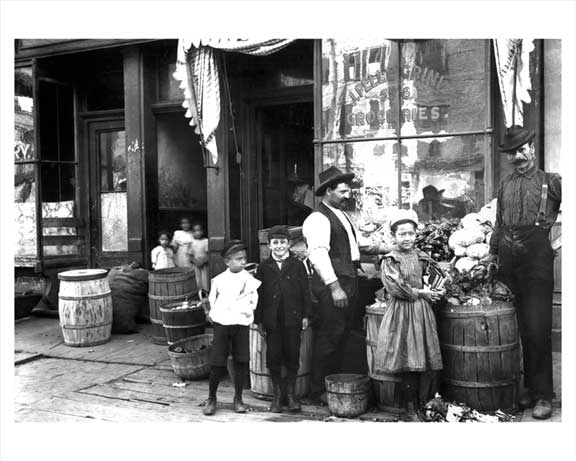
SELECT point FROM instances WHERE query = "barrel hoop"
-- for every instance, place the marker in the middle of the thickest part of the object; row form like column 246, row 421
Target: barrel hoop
column 500, row 348
column 499, row 313
column 156, row 278
column 390, row 378
column 193, row 325
column 84, row 327
column 181, row 297
column 499, row 383
column 158, row 322
column 348, row 393
column 78, row 298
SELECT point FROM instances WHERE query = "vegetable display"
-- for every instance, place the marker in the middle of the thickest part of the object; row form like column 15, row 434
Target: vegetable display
column 432, row 238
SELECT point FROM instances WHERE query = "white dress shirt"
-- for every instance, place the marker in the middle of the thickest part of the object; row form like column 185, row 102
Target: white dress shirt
column 233, row 298
column 316, row 230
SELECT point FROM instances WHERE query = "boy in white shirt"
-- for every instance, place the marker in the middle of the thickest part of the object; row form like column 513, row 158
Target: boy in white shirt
column 233, row 298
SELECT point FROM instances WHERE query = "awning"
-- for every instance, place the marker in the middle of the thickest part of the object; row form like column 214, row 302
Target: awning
column 513, row 67
column 199, row 76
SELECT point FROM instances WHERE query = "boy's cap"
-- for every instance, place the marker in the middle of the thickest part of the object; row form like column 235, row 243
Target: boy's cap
column 233, row 246
column 278, row 232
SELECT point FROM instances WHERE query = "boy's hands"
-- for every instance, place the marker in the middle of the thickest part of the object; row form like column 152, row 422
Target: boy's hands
column 305, row 323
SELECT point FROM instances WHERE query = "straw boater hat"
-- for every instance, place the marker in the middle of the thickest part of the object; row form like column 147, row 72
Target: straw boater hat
column 515, row 137
column 330, row 177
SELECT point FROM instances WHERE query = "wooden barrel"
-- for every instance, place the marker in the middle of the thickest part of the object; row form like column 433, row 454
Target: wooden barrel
column 190, row 357
column 347, row 394
column 85, row 307
column 180, row 323
column 261, row 382
column 480, row 351
column 165, row 286
column 387, row 387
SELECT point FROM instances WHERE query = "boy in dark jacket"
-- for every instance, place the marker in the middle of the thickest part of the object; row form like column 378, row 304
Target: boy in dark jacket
column 283, row 309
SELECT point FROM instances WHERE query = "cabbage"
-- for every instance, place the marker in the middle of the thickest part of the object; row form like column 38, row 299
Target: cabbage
column 478, row 250
column 459, row 251
column 466, row 237
column 465, row 264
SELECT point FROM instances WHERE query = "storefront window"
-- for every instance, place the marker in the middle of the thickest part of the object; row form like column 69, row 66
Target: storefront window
column 423, row 104
column 58, row 168
column 359, row 88
column 24, row 173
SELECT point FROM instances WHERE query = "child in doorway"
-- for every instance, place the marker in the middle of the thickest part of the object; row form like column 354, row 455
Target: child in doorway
column 199, row 256
column 233, row 298
column 182, row 242
column 284, row 306
column 407, row 339
column 163, row 255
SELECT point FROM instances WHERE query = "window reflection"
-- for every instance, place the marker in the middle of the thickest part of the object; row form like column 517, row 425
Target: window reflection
column 113, row 161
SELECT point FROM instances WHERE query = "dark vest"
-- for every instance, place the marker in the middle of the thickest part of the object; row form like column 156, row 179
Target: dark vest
column 339, row 253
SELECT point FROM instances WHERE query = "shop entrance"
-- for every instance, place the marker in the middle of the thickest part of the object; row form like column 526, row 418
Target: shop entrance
column 286, row 163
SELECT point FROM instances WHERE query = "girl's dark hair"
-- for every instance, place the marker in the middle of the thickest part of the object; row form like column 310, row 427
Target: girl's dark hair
column 187, row 218
column 164, row 232
column 394, row 226
column 193, row 224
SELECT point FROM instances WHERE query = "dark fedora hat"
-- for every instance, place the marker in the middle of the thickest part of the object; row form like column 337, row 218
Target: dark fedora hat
column 330, row 177
column 515, row 137
column 430, row 192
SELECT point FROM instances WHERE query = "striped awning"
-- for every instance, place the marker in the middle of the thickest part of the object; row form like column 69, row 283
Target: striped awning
column 199, row 76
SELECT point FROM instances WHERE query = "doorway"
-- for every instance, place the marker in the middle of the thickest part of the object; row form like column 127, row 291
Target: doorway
column 108, row 211
column 286, row 163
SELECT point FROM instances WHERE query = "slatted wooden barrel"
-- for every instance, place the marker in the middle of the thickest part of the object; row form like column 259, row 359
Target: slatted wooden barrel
column 261, row 382
column 85, row 307
column 480, row 351
column 165, row 286
column 387, row 387
column 180, row 323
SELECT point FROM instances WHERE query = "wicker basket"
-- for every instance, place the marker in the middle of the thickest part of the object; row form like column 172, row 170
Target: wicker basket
column 190, row 357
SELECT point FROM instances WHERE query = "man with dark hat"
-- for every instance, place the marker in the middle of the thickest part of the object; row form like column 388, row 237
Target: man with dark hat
column 284, row 306
column 335, row 255
column 528, row 204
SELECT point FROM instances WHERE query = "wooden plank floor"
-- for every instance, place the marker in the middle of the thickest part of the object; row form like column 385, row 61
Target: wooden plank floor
column 129, row 379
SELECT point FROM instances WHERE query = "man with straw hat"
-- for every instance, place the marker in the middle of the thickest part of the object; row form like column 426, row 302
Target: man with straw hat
column 335, row 255
column 528, row 204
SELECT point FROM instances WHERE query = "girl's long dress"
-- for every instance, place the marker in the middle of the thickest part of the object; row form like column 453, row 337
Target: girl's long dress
column 182, row 241
column 407, row 338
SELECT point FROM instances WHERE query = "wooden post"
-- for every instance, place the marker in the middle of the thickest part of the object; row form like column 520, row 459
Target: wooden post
column 217, row 201
column 134, row 102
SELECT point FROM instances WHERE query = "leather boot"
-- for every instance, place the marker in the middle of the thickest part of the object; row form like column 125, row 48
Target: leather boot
column 276, row 405
column 292, row 404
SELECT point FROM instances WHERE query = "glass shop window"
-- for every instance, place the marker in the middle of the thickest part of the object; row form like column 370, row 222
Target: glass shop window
column 58, row 168
column 25, row 165
column 410, row 119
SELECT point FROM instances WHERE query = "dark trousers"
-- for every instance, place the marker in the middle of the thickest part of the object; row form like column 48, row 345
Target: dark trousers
column 283, row 349
column 331, row 329
column 528, row 272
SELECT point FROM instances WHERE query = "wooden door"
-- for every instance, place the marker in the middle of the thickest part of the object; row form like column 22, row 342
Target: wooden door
column 108, row 197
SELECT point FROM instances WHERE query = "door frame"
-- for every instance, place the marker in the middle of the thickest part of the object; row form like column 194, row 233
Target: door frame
column 93, row 124
column 252, row 209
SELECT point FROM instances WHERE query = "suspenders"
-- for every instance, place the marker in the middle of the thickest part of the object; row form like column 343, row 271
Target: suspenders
column 543, row 199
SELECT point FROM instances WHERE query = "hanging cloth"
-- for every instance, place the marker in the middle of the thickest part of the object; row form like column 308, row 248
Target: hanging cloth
column 199, row 77
column 513, row 69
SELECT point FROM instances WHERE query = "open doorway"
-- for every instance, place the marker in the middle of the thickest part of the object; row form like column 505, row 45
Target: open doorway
column 286, row 157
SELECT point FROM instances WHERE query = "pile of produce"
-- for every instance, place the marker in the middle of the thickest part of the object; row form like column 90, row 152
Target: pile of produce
column 472, row 281
column 438, row 410
column 432, row 238
column 190, row 348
